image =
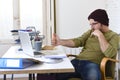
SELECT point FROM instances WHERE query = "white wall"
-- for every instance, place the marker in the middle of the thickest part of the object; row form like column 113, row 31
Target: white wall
column 72, row 16
column 113, row 8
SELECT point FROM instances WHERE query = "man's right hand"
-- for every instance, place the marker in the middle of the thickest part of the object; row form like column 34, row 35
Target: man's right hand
column 55, row 40
column 64, row 42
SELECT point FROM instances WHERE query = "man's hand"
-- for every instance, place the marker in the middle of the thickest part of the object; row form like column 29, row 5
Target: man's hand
column 65, row 42
column 55, row 40
column 97, row 33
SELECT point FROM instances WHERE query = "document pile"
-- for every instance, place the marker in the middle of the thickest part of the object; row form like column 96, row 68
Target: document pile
column 52, row 56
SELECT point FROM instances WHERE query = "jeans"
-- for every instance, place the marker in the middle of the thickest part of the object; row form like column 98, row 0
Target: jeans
column 84, row 70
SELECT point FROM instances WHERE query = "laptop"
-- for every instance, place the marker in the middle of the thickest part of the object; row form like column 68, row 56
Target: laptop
column 26, row 44
column 27, row 49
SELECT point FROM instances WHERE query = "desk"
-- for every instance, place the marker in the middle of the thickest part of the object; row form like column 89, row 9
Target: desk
column 39, row 68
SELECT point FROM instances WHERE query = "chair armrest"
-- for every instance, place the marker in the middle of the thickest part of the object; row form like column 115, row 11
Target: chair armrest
column 103, row 64
column 71, row 55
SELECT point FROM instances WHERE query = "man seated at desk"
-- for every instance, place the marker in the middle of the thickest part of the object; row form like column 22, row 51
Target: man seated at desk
column 98, row 42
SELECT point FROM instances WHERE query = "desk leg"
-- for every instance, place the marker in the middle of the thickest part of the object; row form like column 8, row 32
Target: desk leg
column 31, row 76
column 4, row 76
column 12, row 76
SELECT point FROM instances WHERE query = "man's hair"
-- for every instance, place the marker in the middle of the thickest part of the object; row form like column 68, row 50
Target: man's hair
column 100, row 15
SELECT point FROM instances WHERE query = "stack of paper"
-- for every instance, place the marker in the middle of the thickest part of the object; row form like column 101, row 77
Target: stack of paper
column 54, row 53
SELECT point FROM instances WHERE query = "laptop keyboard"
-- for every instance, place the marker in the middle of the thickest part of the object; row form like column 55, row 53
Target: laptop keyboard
column 37, row 54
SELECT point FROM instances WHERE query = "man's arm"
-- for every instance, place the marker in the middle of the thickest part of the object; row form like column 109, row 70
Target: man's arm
column 103, row 42
column 65, row 42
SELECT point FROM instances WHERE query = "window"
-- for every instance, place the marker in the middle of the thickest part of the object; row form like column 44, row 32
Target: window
column 6, row 18
column 31, row 14
column 19, row 14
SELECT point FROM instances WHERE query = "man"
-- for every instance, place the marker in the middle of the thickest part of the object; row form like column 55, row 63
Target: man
column 98, row 42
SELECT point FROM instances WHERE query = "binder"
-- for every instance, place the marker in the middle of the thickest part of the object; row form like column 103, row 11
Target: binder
column 16, row 63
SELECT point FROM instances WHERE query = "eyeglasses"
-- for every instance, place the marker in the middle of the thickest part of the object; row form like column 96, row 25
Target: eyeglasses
column 93, row 24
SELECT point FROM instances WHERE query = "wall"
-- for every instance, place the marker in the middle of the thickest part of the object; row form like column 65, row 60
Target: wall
column 113, row 8
column 72, row 16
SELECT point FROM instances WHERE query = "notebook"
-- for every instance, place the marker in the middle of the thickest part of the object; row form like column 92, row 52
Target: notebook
column 26, row 44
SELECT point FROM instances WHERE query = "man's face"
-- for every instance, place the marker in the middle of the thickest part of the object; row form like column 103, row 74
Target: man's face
column 95, row 25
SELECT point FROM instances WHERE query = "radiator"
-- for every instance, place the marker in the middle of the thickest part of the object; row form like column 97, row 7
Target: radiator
column 74, row 51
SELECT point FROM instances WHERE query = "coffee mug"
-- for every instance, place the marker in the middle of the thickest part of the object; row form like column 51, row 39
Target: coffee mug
column 37, row 45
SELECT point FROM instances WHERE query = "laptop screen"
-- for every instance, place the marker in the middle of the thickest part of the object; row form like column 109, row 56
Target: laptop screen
column 26, row 43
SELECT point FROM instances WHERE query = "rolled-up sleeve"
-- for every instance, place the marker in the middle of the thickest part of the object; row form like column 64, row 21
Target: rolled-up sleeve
column 112, row 49
column 80, row 41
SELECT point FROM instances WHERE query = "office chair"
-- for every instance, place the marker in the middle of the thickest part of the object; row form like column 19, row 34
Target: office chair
column 107, row 67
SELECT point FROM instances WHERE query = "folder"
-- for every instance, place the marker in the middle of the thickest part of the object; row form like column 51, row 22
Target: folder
column 16, row 63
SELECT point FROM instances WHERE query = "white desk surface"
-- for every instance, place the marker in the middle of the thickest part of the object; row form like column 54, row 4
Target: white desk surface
column 61, row 67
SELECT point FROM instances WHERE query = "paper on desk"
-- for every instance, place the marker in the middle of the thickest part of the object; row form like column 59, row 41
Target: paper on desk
column 52, row 56
column 49, row 60
column 54, row 53
column 56, row 56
